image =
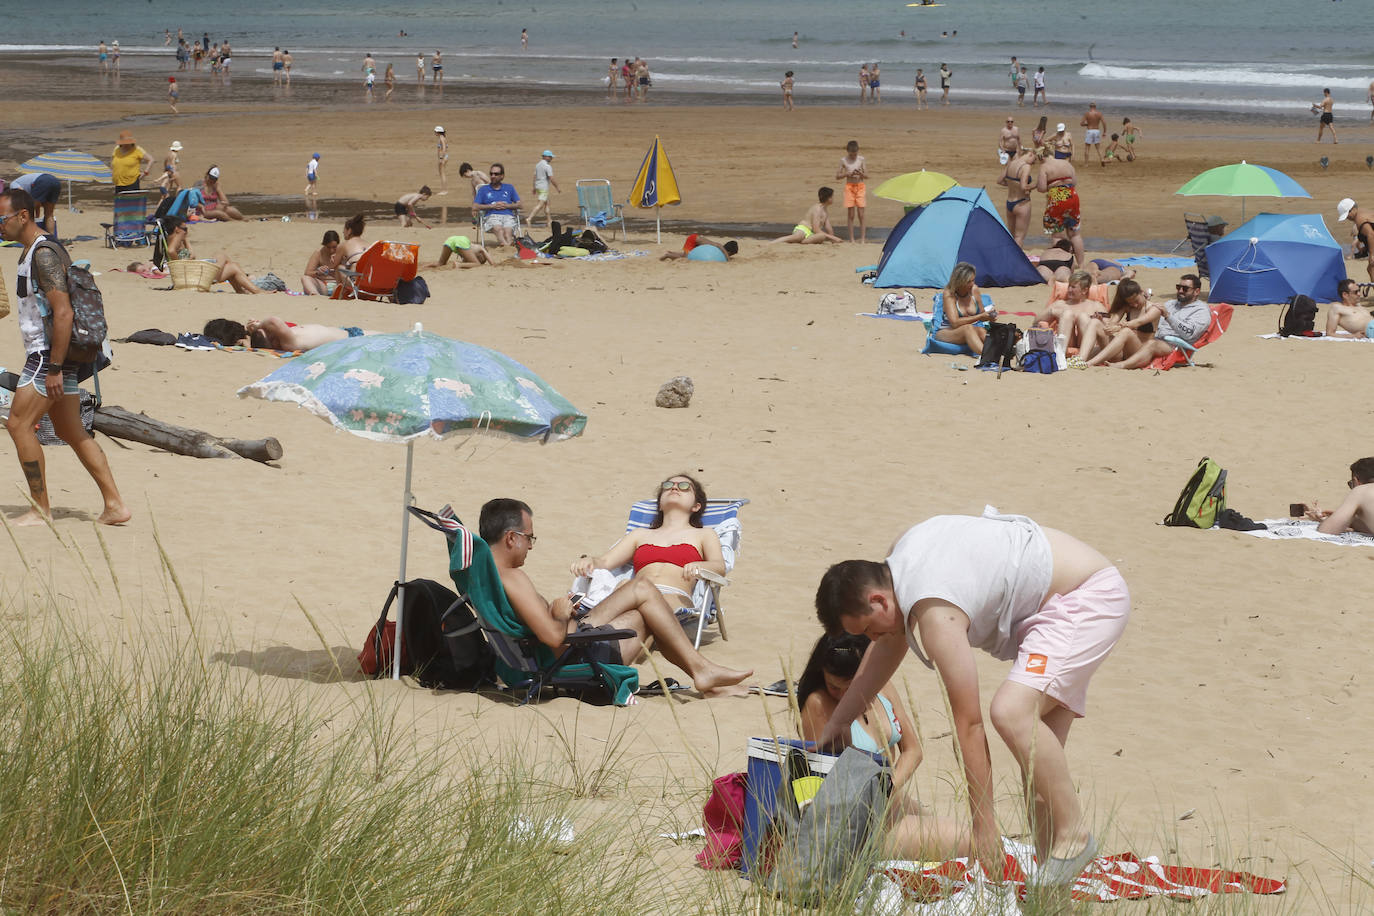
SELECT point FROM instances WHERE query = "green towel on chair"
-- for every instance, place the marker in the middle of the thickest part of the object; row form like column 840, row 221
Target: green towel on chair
column 482, row 583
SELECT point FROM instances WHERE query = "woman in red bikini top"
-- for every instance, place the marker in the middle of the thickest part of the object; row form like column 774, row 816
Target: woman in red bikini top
column 671, row 551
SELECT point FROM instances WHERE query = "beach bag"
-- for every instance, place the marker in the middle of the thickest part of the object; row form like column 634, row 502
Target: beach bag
column 902, row 303
column 88, row 309
column 412, row 292
column 831, row 842
column 589, row 241
column 1040, row 339
column 442, row 637
column 1000, row 345
column 723, row 820
column 1203, row 498
column 1299, row 317
column 1039, row 361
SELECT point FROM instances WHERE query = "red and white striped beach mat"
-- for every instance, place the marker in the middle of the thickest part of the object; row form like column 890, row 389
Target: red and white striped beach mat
column 1117, row 877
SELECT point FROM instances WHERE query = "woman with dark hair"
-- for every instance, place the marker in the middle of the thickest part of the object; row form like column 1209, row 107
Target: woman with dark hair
column 1129, row 323
column 216, row 203
column 673, row 552
column 318, row 274
column 886, row 729
column 347, row 254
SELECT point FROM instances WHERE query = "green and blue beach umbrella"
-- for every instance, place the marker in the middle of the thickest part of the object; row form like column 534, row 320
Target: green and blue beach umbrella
column 1242, row 180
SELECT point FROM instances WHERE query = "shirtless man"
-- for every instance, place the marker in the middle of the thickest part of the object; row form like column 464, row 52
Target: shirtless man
column 1092, row 131
column 853, row 170
column 1363, row 222
column 507, row 525
column 1324, row 106
column 438, row 68
column 1356, row 511
column 1009, row 143
column 1074, row 310
column 1347, row 318
column 405, row 207
column 1062, row 217
column 278, row 66
column 275, row 334
column 642, row 79
column 815, row 226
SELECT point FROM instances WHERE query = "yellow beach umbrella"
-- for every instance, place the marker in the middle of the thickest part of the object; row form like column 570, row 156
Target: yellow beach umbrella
column 655, row 185
column 915, row 187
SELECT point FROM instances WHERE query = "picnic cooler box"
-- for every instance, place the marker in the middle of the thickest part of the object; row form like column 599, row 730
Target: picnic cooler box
column 764, row 775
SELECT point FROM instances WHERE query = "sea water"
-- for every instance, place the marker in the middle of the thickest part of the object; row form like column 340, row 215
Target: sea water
column 1221, row 56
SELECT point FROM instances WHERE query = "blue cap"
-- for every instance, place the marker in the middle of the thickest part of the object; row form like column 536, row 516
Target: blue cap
column 315, row 156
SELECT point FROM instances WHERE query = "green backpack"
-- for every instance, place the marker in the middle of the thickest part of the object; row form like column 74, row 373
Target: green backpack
column 1203, row 497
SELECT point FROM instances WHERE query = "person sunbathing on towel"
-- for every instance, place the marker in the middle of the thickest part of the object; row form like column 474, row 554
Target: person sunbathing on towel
column 1347, row 318
column 507, row 525
column 886, row 729
column 272, row 333
column 1356, row 511
column 147, row 270
column 694, row 241
column 1186, row 318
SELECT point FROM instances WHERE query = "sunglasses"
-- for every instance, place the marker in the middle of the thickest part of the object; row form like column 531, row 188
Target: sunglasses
column 683, row 485
column 531, row 537
column 9, row 216
column 1184, row 286
column 498, row 174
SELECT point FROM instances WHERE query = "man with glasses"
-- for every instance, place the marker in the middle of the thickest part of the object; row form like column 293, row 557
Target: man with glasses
column 507, row 525
column 1356, row 511
column 1348, row 318
column 499, row 203
column 1186, row 317
column 47, row 383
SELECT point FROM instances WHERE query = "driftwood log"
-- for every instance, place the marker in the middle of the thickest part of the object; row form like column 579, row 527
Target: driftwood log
column 138, row 427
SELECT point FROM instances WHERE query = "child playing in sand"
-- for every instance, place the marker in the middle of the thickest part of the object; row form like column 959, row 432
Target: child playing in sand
column 1114, row 151
column 815, row 225
column 1004, row 584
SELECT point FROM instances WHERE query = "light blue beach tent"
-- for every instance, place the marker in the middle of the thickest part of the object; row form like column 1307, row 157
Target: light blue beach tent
column 961, row 224
column 1274, row 256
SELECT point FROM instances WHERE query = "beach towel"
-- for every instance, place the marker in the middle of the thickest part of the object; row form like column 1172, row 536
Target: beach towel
column 261, row 351
column 935, row 888
column 616, row 255
column 1277, row 336
column 1282, row 529
column 1152, row 261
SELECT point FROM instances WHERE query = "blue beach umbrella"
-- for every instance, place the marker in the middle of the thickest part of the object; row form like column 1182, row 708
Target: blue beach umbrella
column 415, row 385
column 1274, row 256
column 70, row 165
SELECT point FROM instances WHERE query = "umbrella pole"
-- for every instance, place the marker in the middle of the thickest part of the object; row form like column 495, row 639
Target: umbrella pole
column 658, row 224
column 70, row 206
column 401, row 576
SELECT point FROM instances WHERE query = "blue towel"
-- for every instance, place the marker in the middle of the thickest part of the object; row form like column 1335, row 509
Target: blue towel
column 1152, row 261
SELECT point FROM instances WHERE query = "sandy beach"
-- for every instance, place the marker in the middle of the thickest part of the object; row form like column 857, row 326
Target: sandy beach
column 1235, row 694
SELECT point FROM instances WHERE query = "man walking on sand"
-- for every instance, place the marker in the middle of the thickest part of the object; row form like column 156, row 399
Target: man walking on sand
column 1018, row 591
column 1324, row 106
column 48, row 382
column 1092, row 131
column 1009, row 143
column 543, row 177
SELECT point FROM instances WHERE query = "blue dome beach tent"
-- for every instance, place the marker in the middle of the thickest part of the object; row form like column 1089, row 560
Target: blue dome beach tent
column 1274, row 256
column 961, row 224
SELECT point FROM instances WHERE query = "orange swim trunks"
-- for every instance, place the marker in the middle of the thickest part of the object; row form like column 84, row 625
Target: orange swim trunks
column 855, row 194
column 690, row 242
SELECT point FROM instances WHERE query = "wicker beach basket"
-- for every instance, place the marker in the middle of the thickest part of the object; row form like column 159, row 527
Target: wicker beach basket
column 193, row 274
column 4, row 296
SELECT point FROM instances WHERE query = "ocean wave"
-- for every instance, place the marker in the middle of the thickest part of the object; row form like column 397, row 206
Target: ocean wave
column 1240, row 75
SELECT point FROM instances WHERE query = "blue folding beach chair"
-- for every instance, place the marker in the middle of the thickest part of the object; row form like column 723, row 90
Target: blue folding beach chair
column 721, row 515
column 597, row 205
column 130, row 228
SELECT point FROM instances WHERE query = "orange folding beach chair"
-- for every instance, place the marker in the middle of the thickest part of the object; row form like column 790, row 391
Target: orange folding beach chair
column 378, row 271
column 1183, row 351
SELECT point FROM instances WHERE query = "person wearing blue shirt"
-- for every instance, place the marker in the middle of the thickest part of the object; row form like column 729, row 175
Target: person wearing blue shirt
column 500, row 206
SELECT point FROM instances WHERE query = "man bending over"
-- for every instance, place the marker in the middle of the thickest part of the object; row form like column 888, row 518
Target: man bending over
column 507, row 525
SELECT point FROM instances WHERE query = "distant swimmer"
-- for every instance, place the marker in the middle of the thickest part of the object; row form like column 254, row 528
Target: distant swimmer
column 786, row 84
column 1039, row 95
column 796, row 38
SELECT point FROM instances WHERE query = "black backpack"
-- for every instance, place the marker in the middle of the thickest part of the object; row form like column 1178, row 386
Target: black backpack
column 412, row 292
column 443, row 640
column 1000, row 344
column 1299, row 316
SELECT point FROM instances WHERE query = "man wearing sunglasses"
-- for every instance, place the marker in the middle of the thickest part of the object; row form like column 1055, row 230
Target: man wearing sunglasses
column 499, row 203
column 1356, row 511
column 47, row 383
column 1186, row 317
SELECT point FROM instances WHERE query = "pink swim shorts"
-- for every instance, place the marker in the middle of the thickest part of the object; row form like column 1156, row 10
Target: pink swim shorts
column 1061, row 645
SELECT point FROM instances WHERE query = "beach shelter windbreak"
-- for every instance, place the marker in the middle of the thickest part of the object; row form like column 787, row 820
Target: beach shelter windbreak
column 961, row 224
column 655, row 185
column 1274, row 256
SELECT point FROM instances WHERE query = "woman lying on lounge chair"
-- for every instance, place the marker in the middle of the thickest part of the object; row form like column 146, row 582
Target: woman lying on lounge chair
column 884, row 729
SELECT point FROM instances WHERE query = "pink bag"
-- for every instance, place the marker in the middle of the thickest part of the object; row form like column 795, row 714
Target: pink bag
column 723, row 818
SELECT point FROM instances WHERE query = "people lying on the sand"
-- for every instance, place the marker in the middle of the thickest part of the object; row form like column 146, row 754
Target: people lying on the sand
column 1356, row 511
column 1128, row 325
column 147, row 270
column 319, row 275
column 1348, row 318
column 499, row 204
column 1361, row 220
column 273, row 333
column 884, row 728
column 1070, row 314
column 507, row 525
column 815, row 225
column 353, row 246
column 467, row 254
column 1056, row 261
column 215, row 203
column 1105, row 270
column 405, row 207
column 179, row 249
column 965, row 321
column 696, row 240
column 1186, row 317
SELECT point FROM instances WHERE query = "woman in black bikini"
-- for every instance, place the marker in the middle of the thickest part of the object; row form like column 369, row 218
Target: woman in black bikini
column 1130, row 323
column 1056, row 262
column 962, row 311
column 1017, row 180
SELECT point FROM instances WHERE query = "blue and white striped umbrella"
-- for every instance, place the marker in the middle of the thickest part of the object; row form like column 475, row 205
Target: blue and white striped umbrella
column 69, row 165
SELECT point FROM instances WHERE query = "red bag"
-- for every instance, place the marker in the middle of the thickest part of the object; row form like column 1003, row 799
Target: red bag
column 723, row 818
column 380, row 642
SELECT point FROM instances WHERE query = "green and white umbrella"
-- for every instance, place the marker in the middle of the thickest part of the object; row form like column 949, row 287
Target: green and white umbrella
column 70, row 165
column 416, row 385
